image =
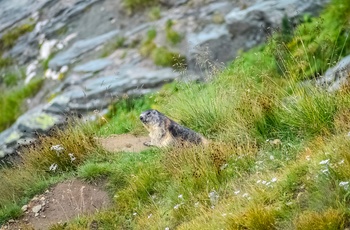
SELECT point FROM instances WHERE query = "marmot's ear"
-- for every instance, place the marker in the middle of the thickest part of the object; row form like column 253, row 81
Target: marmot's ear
column 154, row 112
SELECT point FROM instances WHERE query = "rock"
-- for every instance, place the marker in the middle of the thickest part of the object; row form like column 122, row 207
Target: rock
column 36, row 208
column 173, row 3
column 37, row 121
column 217, row 38
column 337, row 76
column 272, row 12
column 12, row 12
column 243, row 29
column 93, row 66
column 24, row 208
column 79, row 48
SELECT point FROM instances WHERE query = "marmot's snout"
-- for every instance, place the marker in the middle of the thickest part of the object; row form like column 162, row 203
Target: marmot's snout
column 142, row 118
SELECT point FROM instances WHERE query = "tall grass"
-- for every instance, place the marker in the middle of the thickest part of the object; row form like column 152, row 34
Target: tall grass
column 43, row 163
column 278, row 154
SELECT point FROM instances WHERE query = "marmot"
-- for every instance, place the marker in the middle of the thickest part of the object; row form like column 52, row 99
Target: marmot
column 166, row 132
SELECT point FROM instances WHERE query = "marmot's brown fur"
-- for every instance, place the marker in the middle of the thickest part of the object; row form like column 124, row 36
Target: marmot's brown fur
column 166, row 132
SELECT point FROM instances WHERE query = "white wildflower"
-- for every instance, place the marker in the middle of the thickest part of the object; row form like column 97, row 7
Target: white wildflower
column 214, row 197
column 237, row 192
column 134, row 214
column 196, row 204
column 273, row 179
column 258, row 181
column 72, row 157
column 264, row 182
column 245, row 195
column 177, row 206
column 57, row 148
column 268, row 183
column 223, row 166
column 53, row 167
column 308, row 158
column 341, row 162
column 180, row 196
column 272, row 157
column 324, row 162
column 344, row 184
column 149, row 216
column 224, row 214
column 167, row 228
column 325, row 171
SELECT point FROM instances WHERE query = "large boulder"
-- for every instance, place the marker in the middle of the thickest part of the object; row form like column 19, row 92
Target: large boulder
column 25, row 129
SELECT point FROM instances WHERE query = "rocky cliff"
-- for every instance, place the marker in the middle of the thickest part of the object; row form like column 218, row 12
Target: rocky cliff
column 91, row 52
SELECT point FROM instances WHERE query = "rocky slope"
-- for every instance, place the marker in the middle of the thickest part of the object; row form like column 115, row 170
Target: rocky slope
column 92, row 49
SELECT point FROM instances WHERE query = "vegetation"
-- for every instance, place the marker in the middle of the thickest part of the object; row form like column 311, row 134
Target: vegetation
column 154, row 13
column 161, row 56
column 8, row 40
column 133, row 5
column 172, row 36
column 11, row 100
column 13, row 95
column 279, row 156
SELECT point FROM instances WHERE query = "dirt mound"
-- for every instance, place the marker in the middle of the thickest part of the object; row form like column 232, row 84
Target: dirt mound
column 60, row 204
column 124, row 142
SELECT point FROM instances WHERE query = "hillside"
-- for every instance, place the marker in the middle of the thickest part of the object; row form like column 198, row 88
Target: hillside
column 278, row 119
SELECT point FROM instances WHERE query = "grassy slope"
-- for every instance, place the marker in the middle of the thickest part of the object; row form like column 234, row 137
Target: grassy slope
column 279, row 159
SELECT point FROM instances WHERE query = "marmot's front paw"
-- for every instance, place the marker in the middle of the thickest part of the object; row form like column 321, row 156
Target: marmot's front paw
column 148, row 144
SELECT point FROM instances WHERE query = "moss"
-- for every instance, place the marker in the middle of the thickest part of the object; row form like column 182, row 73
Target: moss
column 134, row 5
column 154, row 13
column 8, row 40
column 11, row 101
column 172, row 36
column 163, row 57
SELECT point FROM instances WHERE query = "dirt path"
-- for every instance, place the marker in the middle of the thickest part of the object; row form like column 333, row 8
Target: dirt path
column 60, row 204
column 124, row 142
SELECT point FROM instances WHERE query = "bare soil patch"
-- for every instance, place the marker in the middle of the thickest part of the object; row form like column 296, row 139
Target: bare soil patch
column 63, row 202
column 124, row 142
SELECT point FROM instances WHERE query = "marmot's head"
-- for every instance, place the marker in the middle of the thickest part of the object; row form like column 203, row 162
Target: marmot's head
column 150, row 117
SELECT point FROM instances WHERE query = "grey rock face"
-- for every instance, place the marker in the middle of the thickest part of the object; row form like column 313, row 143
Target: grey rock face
column 337, row 76
column 79, row 48
column 217, row 39
column 172, row 3
column 244, row 29
column 93, row 66
column 13, row 11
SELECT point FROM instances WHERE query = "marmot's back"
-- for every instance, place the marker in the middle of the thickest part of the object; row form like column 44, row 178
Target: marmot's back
column 165, row 132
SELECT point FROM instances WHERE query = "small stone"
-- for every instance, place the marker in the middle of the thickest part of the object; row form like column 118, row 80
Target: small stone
column 36, row 214
column 42, row 198
column 11, row 221
column 36, row 208
column 24, row 208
